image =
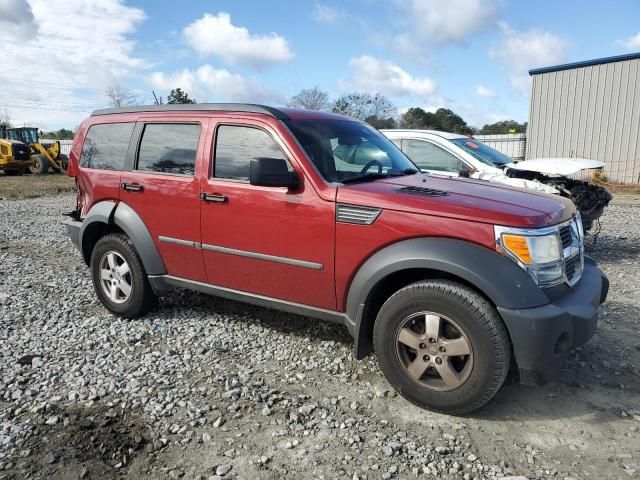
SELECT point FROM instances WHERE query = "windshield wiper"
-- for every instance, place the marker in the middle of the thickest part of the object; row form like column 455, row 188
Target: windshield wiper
column 406, row 171
column 364, row 178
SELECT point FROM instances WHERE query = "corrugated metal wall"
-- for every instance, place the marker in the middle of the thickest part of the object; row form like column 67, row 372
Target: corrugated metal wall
column 591, row 112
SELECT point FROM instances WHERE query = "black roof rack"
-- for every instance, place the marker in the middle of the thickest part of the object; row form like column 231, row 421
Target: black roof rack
column 197, row 107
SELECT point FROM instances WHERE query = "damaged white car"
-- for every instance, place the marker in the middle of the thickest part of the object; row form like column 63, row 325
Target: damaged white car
column 452, row 154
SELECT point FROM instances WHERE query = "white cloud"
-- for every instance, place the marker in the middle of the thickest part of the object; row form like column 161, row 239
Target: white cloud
column 448, row 21
column 58, row 75
column 326, row 14
column 631, row 43
column 380, row 76
column 483, row 91
column 521, row 51
column 17, row 18
column 207, row 83
column 216, row 35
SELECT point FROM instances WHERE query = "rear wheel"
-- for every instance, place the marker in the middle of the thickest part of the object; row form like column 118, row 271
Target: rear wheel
column 63, row 161
column 442, row 346
column 41, row 165
column 119, row 278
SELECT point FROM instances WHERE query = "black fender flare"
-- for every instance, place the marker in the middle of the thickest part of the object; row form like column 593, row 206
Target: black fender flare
column 120, row 214
column 495, row 276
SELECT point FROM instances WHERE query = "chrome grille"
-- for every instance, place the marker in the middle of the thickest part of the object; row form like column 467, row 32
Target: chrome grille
column 565, row 236
column 356, row 214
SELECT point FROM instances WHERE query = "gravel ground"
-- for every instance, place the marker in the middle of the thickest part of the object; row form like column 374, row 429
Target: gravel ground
column 205, row 389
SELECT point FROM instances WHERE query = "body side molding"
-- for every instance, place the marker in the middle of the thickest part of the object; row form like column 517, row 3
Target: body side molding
column 243, row 253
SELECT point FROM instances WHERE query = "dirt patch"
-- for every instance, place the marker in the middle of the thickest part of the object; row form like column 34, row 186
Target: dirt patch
column 93, row 443
column 33, row 186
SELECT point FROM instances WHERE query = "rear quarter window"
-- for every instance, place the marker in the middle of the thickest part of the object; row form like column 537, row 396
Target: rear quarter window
column 105, row 146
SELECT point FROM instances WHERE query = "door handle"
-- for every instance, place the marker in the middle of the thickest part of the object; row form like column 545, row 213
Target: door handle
column 132, row 187
column 213, row 197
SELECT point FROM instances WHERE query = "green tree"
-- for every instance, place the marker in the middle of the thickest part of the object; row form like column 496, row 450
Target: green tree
column 505, row 126
column 62, row 134
column 178, row 96
column 442, row 119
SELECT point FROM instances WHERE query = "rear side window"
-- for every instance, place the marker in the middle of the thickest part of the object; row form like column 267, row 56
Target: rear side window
column 235, row 148
column 169, row 148
column 105, row 146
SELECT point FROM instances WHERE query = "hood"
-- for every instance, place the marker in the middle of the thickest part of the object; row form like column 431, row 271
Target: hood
column 467, row 199
column 500, row 177
column 556, row 166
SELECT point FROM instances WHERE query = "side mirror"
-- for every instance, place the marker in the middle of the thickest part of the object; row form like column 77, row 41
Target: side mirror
column 272, row 172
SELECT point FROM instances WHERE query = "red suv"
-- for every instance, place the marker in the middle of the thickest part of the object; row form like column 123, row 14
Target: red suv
column 449, row 281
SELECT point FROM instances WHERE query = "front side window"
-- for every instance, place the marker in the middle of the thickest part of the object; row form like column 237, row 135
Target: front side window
column 428, row 156
column 105, row 146
column 236, row 146
column 169, row 148
column 347, row 151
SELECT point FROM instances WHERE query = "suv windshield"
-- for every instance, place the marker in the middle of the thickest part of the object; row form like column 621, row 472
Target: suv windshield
column 347, row 151
column 481, row 152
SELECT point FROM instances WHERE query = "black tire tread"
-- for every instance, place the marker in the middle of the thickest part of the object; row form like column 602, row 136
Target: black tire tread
column 143, row 298
column 484, row 312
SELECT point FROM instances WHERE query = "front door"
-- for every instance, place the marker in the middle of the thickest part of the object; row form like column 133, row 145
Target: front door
column 264, row 240
column 162, row 188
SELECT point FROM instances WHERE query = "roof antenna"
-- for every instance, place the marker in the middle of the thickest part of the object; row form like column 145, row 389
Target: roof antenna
column 156, row 98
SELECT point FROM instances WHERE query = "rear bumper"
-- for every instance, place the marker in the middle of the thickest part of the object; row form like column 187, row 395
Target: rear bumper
column 542, row 337
column 73, row 230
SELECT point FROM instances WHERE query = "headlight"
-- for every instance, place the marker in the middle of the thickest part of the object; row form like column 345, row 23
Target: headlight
column 539, row 252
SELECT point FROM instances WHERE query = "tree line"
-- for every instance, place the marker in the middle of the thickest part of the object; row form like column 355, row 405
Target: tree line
column 380, row 112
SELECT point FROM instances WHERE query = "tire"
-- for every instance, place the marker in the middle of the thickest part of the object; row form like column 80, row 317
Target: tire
column 464, row 322
column 42, row 165
column 63, row 161
column 132, row 295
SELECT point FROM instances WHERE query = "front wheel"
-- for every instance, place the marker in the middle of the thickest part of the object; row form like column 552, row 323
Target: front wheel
column 119, row 278
column 442, row 346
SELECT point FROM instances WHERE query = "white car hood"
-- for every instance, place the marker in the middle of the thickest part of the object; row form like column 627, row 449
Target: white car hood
column 498, row 176
column 556, row 166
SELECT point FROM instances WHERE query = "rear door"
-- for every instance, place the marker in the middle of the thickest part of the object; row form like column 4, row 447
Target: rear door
column 161, row 186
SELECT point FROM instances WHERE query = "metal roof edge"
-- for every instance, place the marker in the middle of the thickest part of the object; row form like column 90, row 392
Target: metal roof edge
column 585, row 63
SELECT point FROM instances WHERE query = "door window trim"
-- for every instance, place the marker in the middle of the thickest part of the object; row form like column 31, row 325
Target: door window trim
column 214, row 147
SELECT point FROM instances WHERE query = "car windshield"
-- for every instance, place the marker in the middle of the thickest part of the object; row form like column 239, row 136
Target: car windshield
column 481, row 152
column 346, row 151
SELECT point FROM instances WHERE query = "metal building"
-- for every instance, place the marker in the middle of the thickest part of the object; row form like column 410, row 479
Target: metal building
column 590, row 110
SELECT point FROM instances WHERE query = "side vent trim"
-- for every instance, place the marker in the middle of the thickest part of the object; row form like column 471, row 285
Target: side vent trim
column 427, row 192
column 356, row 214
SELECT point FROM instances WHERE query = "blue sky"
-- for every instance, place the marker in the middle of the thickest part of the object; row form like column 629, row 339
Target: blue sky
column 468, row 55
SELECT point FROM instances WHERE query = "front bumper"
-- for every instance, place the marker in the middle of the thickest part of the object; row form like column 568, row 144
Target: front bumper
column 542, row 337
column 73, row 230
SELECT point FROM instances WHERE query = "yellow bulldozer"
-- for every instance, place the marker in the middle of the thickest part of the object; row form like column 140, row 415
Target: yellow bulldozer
column 44, row 156
column 15, row 156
